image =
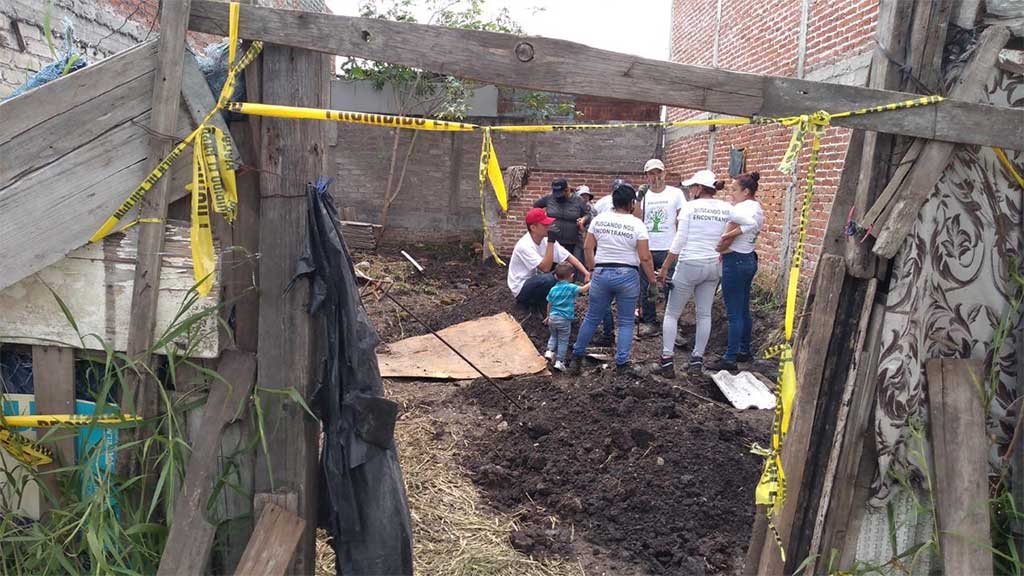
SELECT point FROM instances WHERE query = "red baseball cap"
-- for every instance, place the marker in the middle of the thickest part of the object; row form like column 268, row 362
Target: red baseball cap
column 538, row 216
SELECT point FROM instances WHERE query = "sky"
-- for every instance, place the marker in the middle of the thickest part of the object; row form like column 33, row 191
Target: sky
column 639, row 27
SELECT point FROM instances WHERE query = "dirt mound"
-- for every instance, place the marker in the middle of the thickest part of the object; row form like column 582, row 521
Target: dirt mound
column 638, row 467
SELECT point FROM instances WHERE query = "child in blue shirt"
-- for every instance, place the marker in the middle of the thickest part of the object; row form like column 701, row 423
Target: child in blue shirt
column 561, row 311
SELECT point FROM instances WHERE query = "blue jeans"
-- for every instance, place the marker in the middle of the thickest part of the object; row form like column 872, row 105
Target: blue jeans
column 535, row 290
column 738, row 272
column 560, row 328
column 621, row 285
column 648, row 308
column 608, row 325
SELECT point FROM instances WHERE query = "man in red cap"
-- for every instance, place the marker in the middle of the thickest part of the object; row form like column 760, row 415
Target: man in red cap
column 530, row 274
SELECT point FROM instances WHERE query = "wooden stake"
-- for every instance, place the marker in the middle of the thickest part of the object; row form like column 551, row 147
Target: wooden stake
column 53, row 376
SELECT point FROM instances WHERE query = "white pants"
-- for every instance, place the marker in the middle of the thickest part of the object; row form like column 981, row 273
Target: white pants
column 697, row 278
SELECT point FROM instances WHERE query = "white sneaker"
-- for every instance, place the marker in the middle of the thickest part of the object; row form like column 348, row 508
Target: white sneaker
column 559, row 366
column 549, row 355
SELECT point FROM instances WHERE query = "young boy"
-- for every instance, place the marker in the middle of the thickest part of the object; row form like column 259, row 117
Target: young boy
column 561, row 311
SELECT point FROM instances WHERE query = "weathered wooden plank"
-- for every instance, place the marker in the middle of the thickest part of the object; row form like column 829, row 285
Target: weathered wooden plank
column 935, row 156
column 72, row 197
column 136, row 394
column 966, row 13
column 960, row 446
column 95, row 283
column 560, row 66
column 53, row 378
column 191, row 536
column 852, row 439
column 810, row 365
column 48, row 141
column 927, row 40
column 894, row 16
column 292, row 155
column 839, row 475
column 273, row 543
column 199, row 100
column 81, row 87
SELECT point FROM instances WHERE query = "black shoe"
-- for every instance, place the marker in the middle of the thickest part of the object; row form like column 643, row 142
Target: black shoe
column 575, row 366
column 744, row 357
column 696, row 365
column 723, row 364
column 647, row 330
column 667, row 368
column 627, row 369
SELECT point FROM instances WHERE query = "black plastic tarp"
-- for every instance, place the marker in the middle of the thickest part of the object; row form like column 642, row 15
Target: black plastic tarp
column 363, row 504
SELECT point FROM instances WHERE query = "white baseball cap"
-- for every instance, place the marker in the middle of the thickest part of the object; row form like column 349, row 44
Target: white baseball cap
column 584, row 190
column 703, row 177
column 654, row 164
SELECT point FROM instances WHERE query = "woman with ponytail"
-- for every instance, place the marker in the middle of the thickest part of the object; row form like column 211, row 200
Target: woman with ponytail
column 739, row 266
column 702, row 222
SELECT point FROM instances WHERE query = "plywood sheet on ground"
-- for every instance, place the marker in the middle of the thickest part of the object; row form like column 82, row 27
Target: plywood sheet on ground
column 496, row 344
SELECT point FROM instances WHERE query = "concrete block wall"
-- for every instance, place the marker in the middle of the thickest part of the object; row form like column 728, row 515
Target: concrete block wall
column 763, row 38
column 440, row 198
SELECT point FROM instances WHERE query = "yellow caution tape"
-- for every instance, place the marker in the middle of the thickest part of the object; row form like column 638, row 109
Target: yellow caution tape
column 385, row 120
column 1010, row 168
column 203, row 258
column 74, row 420
column 227, row 174
column 24, row 450
column 489, row 170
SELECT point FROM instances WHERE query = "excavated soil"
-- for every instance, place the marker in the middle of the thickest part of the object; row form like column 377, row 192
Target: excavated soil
column 627, row 474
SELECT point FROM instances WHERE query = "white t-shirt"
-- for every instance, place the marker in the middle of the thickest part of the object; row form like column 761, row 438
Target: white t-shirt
column 526, row 256
column 701, row 224
column 660, row 212
column 744, row 243
column 617, row 235
column 603, row 205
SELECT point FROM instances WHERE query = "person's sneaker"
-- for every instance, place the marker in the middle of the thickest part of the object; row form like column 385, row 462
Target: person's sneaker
column 549, row 355
column 667, row 368
column 627, row 369
column 575, row 366
column 696, row 365
column 559, row 366
column 723, row 364
column 648, row 330
column 744, row 357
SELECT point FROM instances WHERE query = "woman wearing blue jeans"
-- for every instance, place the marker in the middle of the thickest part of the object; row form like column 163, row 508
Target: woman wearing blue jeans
column 617, row 251
column 739, row 266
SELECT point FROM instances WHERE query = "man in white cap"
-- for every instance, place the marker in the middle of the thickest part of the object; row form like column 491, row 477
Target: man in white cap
column 659, row 210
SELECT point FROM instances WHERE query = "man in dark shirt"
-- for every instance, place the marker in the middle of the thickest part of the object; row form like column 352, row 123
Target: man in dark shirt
column 566, row 208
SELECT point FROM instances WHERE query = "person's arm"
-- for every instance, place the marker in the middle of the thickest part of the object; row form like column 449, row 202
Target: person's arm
column 732, row 231
column 584, row 289
column 548, row 262
column 589, row 247
column 643, row 250
column 579, row 267
column 541, row 202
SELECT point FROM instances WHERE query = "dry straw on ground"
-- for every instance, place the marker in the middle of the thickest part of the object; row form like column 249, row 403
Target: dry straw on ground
column 454, row 534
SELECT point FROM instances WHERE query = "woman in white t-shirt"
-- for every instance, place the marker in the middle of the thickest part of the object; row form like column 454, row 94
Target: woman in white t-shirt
column 617, row 252
column 701, row 223
column 739, row 266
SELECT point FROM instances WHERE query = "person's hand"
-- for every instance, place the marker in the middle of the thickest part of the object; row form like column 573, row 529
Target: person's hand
column 724, row 244
column 586, row 276
column 547, row 320
column 552, row 234
column 661, row 280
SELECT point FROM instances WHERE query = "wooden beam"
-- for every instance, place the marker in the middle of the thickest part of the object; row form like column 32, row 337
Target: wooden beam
column 559, row 66
column 146, row 288
column 927, row 42
column 810, row 365
column 200, row 100
column 894, row 17
column 191, row 536
column 53, row 378
column 960, row 446
column 292, row 154
column 935, row 156
column 273, row 543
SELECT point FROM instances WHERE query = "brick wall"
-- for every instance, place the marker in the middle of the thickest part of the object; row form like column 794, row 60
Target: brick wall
column 762, row 37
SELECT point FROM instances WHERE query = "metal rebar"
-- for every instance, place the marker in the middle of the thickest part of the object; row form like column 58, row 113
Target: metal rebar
column 453, row 349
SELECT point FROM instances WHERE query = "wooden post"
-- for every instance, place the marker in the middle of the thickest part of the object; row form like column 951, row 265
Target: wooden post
column 146, row 288
column 292, row 154
column 191, row 536
column 960, row 446
column 53, row 376
column 810, row 366
column 273, row 542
